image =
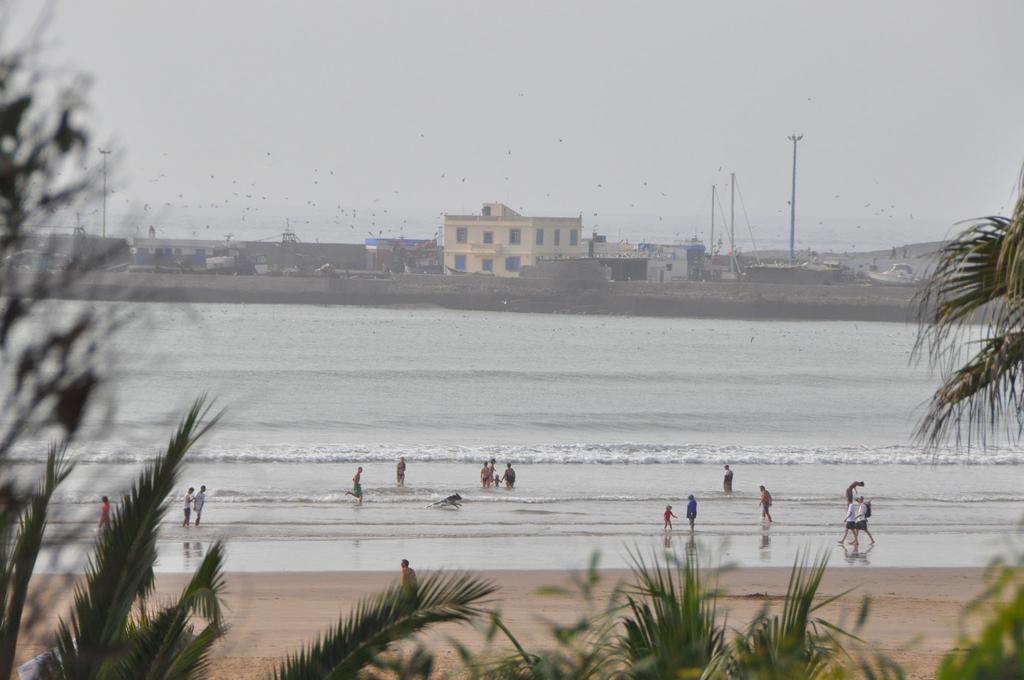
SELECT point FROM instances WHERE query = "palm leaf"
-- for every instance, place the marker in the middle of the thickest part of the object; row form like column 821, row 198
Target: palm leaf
column 163, row 647
column 121, row 568
column 379, row 621
column 671, row 627
column 793, row 643
column 17, row 570
column 979, row 278
column 586, row 647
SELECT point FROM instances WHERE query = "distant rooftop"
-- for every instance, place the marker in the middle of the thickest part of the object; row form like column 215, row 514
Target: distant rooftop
column 500, row 210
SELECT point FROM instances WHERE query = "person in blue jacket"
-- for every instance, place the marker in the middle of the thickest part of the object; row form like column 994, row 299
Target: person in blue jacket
column 691, row 510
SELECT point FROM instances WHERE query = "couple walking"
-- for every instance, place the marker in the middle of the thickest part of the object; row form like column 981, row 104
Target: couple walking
column 194, row 501
column 857, row 513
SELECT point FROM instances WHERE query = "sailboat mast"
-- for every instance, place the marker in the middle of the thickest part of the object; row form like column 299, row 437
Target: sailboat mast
column 732, row 219
column 711, row 247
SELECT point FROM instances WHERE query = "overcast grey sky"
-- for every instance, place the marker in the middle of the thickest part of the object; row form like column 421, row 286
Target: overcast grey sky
column 630, row 110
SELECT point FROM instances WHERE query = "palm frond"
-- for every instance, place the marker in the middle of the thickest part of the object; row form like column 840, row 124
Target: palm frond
column 121, row 567
column 17, row 571
column 586, row 647
column 163, row 647
column 379, row 621
column 975, row 399
column 976, row 291
column 671, row 627
column 793, row 643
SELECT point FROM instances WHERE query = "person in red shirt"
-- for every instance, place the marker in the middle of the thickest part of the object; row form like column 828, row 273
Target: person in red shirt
column 104, row 515
column 668, row 518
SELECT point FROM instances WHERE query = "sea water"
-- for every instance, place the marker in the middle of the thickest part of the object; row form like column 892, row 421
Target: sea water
column 606, row 420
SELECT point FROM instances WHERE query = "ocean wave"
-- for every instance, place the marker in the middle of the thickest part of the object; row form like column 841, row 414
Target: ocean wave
column 602, row 454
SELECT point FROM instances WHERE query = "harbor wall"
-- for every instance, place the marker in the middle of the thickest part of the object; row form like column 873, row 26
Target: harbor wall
column 741, row 300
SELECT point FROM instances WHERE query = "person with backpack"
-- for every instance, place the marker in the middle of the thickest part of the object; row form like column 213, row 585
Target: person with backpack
column 851, row 522
column 863, row 513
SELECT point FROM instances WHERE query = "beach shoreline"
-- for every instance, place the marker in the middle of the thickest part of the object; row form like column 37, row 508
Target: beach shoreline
column 915, row 613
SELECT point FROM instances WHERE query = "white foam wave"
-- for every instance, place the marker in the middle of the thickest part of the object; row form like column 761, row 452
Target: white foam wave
column 604, row 454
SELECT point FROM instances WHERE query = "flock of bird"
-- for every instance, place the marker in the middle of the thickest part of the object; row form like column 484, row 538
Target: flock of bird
column 247, row 205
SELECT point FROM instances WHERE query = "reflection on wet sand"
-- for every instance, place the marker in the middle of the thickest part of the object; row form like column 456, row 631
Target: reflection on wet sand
column 192, row 554
column 855, row 556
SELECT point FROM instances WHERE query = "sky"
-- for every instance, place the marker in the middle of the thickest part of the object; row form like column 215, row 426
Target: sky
column 343, row 119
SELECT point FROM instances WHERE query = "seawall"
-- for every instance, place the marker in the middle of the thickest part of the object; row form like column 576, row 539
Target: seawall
column 737, row 300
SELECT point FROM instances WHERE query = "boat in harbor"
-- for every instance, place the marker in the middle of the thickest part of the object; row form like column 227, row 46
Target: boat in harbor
column 901, row 274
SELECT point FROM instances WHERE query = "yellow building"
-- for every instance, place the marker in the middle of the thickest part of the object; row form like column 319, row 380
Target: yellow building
column 500, row 241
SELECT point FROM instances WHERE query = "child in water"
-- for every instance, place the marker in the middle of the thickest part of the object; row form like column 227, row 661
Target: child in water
column 668, row 518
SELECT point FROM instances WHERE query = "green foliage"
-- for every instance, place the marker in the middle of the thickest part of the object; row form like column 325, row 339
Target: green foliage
column 584, row 648
column 23, row 528
column 667, row 626
column 42, row 152
column 979, row 278
column 164, row 645
column 94, row 642
column 793, row 644
column 998, row 650
column 379, row 621
column 671, row 627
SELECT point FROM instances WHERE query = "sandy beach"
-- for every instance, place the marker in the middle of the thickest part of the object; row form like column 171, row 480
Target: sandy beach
column 914, row 618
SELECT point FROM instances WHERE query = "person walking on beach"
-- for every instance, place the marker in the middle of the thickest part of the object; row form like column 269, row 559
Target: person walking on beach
column 851, row 523
column 400, row 471
column 691, row 511
column 509, row 477
column 104, row 515
column 850, row 490
column 357, row 486
column 727, row 482
column 668, row 518
column 198, row 502
column 408, row 576
column 863, row 512
column 485, row 476
column 188, row 505
column 766, row 504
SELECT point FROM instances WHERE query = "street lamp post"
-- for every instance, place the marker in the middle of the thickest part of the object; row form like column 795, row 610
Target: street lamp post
column 792, row 202
column 105, row 153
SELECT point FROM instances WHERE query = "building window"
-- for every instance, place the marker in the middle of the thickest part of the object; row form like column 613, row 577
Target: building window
column 488, row 265
column 558, row 237
column 461, row 235
column 515, row 237
column 512, row 263
column 574, row 237
column 540, row 237
column 488, row 237
column 460, row 261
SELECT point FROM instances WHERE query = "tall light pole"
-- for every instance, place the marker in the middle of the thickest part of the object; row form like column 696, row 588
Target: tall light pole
column 792, row 202
column 105, row 153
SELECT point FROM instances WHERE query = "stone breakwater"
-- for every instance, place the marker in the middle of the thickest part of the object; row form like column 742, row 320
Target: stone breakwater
column 732, row 300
